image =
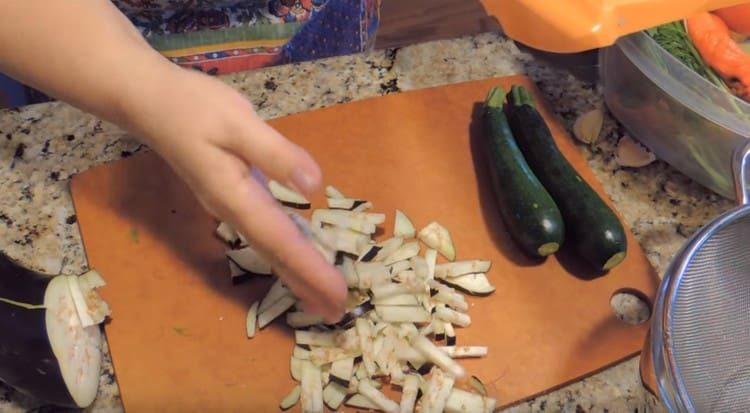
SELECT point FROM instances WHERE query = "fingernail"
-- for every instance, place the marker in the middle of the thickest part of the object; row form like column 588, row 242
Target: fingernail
column 303, row 180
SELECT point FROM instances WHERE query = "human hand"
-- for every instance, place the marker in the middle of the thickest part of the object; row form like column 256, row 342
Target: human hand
column 211, row 136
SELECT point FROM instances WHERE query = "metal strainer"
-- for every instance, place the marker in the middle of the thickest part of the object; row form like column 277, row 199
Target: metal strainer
column 701, row 327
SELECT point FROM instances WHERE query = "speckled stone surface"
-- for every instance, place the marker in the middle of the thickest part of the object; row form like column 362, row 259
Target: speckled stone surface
column 43, row 145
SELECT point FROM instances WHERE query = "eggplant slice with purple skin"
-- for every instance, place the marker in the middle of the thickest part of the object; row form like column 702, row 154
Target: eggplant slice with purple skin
column 44, row 349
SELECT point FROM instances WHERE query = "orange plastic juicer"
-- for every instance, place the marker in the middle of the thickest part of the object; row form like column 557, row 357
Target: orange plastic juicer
column 569, row 26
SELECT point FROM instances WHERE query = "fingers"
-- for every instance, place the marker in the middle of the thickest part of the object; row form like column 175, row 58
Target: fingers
column 257, row 215
column 261, row 145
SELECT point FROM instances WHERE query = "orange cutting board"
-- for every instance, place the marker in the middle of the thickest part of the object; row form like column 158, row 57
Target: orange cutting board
column 177, row 331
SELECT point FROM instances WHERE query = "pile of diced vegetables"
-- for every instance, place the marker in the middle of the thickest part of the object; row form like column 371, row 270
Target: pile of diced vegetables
column 400, row 304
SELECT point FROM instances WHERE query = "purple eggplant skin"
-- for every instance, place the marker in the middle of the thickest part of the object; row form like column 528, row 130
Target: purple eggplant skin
column 27, row 362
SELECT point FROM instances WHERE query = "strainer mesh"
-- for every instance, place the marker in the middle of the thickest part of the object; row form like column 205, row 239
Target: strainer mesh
column 708, row 327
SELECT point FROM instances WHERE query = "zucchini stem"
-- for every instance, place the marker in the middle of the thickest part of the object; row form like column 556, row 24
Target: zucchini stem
column 519, row 96
column 495, row 98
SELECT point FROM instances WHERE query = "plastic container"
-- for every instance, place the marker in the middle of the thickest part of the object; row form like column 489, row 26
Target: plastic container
column 684, row 119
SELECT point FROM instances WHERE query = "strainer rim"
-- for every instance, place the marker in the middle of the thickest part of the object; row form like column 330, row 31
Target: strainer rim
column 669, row 380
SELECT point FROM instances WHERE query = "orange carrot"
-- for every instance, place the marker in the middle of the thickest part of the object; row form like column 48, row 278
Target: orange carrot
column 711, row 37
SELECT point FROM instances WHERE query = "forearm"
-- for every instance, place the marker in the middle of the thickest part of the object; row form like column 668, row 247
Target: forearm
column 82, row 51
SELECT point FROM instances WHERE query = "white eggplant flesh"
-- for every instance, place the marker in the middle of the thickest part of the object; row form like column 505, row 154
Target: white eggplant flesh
column 370, row 274
column 249, row 260
column 454, row 269
column 438, row 390
column 276, row 309
column 301, row 319
column 77, row 348
column 430, row 257
column 295, row 368
column 452, row 316
column 409, row 300
column 342, row 370
column 315, row 338
column 404, row 252
column 251, row 319
column 275, row 293
column 361, row 402
column 399, row 266
column 291, row 399
column 287, row 196
column 453, row 300
column 390, row 289
column 388, row 247
column 227, row 234
column 311, row 397
column 376, row 397
column 301, row 353
column 334, row 395
column 458, row 352
column 402, row 314
column 333, row 192
column 350, row 274
column 410, row 390
column 403, row 226
column 437, row 356
column 436, row 236
column 450, row 334
column 364, row 332
column 461, row 401
column 356, row 222
column 347, row 204
column 474, row 284
column 341, row 239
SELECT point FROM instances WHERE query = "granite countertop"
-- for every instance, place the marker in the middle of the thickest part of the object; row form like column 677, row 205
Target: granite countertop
column 43, row 145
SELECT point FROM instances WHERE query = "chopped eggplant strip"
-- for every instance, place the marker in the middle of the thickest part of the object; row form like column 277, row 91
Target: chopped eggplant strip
column 328, row 254
column 430, row 256
column 287, row 196
column 249, row 260
column 356, row 221
column 401, row 314
column 325, row 355
column 342, row 370
column 363, row 207
column 227, row 234
column 388, row 247
column 392, row 289
column 409, row 393
column 315, row 338
column 371, row 274
column 296, row 368
column 301, row 319
column 276, row 309
column 465, row 351
column 399, row 300
column 439, row 331
column 474, row 284
column 454, row 269
column 344, row 203
column 250, row 321
column 370, row 253
column 237, row 273
column 461, row 401
column 438, row 390
column 312, row 388
column 275, row 293
column 400, row 266
column 454, row 300
column 403, row 227
column 350, row 274
column 452, row 316
column 404, row 252
column 450, row 334
column 436, row 236
column 291, row 399
column 477, row 385
column 334, row 394
column 376, row 397
column 437, row 356
column 364, row 331
column 301, row 353
column 332, row 192
column 361, row 402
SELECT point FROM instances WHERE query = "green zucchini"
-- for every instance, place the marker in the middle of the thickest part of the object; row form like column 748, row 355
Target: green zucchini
column 591, row 225
column 528, row 211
